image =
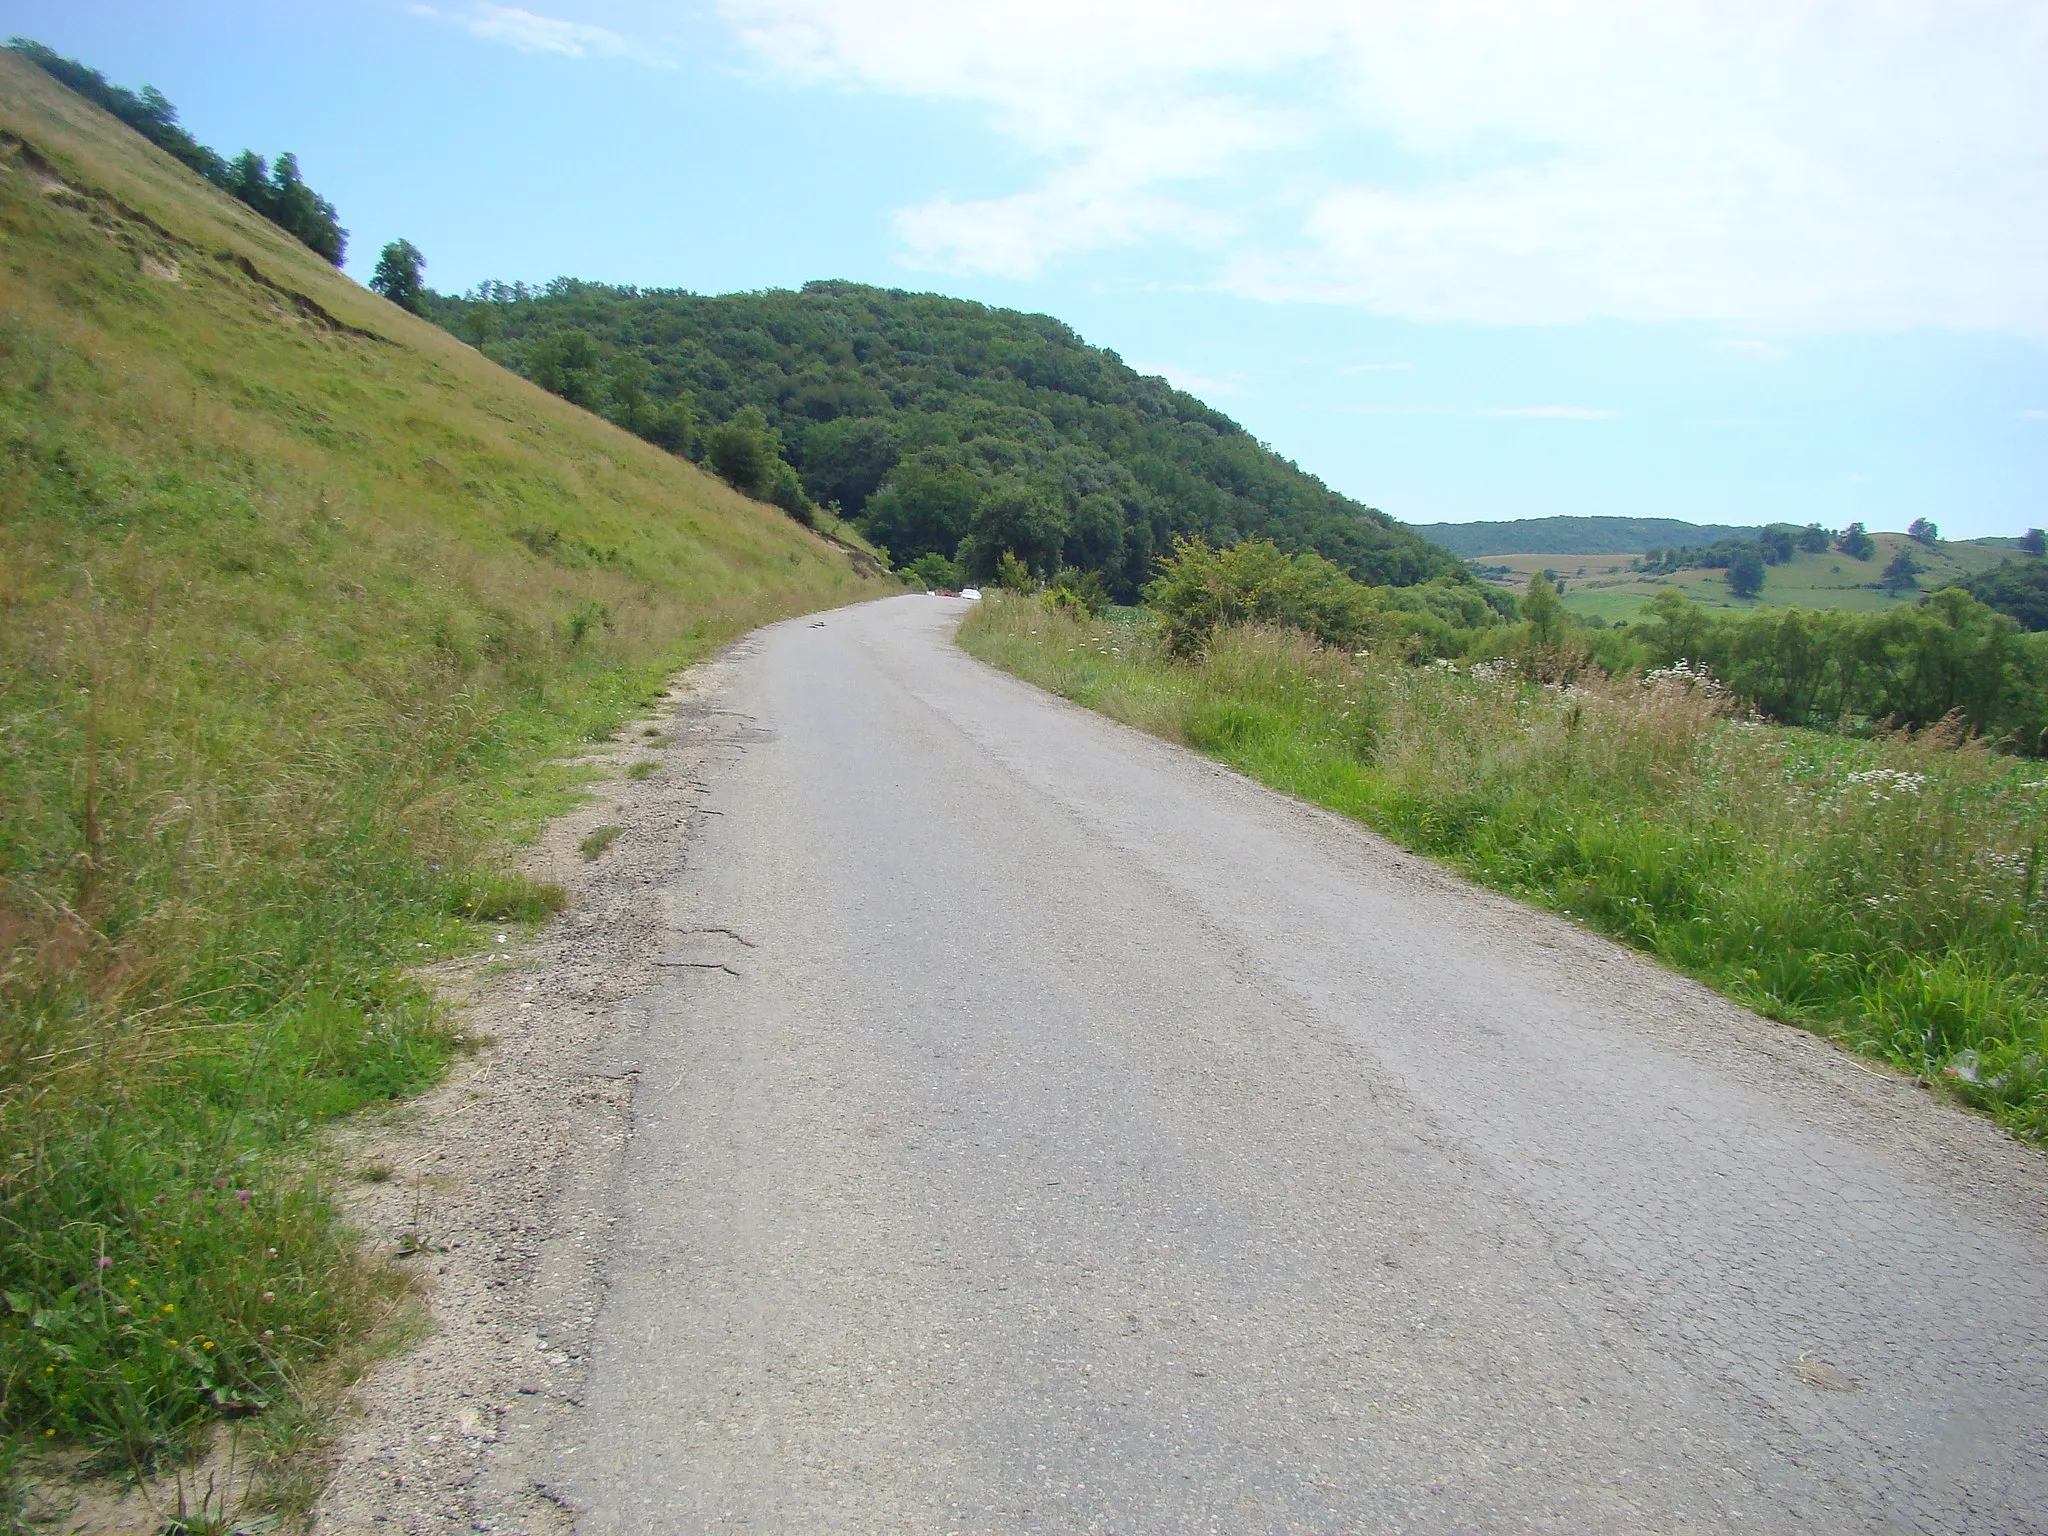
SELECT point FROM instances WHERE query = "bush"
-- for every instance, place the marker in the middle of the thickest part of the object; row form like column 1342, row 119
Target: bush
column 935, row 573
column 1079, row 592
column 1200, row 589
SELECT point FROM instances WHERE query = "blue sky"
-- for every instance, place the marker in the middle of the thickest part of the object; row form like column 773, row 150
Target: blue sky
column 1731, row 262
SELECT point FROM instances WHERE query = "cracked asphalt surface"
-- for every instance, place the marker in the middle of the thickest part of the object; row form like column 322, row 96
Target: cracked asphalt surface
column 1038, row 1128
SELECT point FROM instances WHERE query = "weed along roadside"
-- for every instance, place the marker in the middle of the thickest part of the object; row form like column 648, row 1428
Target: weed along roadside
column 1885, row 891
column 282, row 680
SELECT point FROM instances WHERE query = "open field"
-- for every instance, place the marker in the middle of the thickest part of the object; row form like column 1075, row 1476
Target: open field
column 1603, row 585
column 299, row 597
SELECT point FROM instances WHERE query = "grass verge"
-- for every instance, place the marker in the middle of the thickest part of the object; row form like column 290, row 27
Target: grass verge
column 299, row 600
column 1888, row 894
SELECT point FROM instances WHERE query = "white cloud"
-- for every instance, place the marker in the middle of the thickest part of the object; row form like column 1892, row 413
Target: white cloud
column 531, row 33
column 2035, row 415
column 1782, row 164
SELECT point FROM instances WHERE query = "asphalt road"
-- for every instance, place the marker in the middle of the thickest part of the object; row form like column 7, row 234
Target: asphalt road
column 1041, row 1129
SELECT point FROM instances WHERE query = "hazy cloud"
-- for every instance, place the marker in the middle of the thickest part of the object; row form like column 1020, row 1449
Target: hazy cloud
column 531, row 33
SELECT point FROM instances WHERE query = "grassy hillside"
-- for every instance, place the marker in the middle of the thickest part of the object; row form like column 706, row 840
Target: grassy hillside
column 1603, row 586
column 297, row 595
column 1575, row 536
column 946, row 428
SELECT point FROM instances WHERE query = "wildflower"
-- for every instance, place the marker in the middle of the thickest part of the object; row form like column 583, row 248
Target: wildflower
column 169, row 1309
column 269, row 1333
column 270, row 1253
column 105, row 1262
column 270, row 1295
column 170, row 1343
column 245, row 1195
column 207, row 1345
column 133, row 1282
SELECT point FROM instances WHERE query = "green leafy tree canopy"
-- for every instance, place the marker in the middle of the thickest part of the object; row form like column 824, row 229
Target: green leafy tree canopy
column 401, row 275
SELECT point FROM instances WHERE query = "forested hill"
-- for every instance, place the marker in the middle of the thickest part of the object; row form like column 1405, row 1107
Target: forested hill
column 943, row 427
column 1577, row 535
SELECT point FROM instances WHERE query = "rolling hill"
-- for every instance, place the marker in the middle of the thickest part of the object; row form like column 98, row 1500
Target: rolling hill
column 943, row 427
column 1575, row 535
column 298, row 595
column 1603, row 585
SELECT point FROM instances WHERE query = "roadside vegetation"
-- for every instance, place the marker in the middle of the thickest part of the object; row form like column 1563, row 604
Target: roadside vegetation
column 298, row 599
column 1880, row 883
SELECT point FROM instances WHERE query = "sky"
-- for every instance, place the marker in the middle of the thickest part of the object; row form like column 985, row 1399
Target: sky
column 1756, row 260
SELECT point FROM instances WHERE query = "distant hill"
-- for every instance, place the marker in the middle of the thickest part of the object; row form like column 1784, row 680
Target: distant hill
column 1576, row 535
column 943, row 427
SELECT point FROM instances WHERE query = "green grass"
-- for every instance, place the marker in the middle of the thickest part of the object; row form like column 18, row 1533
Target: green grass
column 1602, row 586
column 299, row 598
column 1888, row 894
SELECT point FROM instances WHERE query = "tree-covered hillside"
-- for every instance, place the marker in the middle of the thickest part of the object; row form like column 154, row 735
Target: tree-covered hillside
column 1577, row 535
column 945, row 428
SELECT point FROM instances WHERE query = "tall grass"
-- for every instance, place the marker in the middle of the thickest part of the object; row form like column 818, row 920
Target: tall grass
column 293, row 617
column 1886, row 893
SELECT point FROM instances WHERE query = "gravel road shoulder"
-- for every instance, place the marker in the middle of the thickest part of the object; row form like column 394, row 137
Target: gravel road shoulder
column 492, row 1188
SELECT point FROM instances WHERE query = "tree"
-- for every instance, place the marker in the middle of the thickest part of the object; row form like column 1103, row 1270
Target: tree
column 924, row 507
column 1015, row 518
column 1775, row 545
column 846, row 460
column 1921, row 531
column 1855, row 542
column 1814, row 540
column 1903, row 574
column 400, row 277
column 297, row 208
column 475, row 321
column 674, row 427
column 568, row 363
column 629, row 381
column 740, row 454
column 1746, row 574
column 2034, row 542
column 1542, row 611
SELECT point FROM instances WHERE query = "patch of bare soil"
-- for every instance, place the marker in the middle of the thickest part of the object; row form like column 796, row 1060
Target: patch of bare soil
column 492, row 1189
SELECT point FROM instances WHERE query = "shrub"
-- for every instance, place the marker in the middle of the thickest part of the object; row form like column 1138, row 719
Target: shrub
column 1200, row 589
column 1080, row 592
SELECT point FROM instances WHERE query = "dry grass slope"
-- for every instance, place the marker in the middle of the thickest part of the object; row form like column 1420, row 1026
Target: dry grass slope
column 298, row 596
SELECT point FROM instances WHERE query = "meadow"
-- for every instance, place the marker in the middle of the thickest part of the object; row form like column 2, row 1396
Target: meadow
column 1886, row 892
column 1604, row 587
column 299, row 598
